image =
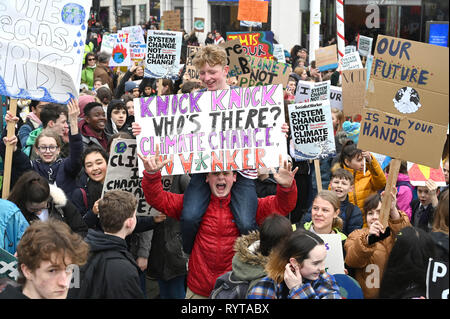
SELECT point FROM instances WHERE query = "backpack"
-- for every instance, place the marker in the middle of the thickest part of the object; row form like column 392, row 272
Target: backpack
column 228, row 287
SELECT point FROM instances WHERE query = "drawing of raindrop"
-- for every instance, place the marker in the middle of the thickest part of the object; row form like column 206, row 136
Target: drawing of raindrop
column 78, row 51
column 79, row 34
column 75, row 44
column 81, row 43
column 83, row 27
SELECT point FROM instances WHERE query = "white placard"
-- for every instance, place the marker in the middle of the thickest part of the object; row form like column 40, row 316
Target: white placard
column 334, row 262
column 163, row 54
column 212, row 131
column 351, row 61
column 42, row 48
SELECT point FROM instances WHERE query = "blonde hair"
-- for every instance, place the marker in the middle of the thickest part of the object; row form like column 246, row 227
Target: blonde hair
column 340, row 117
column 211, row 54
column 299, row 70
column 332, row 198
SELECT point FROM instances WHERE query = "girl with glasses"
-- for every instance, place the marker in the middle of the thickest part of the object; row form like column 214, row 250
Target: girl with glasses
column 49, row 164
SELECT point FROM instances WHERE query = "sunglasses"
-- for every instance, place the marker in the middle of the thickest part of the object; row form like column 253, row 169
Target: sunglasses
column 91, row 59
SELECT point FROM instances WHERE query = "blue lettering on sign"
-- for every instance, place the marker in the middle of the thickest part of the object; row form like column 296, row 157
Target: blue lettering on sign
column 394, row 48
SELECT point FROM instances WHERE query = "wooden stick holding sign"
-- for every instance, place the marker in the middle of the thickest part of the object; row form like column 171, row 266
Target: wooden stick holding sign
column 10, row 127
column 159, row 86
column 318, row 176
column 394, row 168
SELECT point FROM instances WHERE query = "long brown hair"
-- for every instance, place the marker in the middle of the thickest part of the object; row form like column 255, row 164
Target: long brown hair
column 440, row 223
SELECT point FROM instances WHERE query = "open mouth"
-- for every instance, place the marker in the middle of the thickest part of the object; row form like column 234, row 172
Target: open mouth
column 221, row 187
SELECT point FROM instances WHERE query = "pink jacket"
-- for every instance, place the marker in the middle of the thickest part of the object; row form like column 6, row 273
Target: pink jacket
column 404, row 195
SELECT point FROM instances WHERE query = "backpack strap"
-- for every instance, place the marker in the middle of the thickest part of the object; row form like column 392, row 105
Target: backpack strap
column 83, row 192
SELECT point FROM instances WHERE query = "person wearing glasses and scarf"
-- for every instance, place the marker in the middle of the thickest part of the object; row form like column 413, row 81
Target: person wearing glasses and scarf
column 60, row 171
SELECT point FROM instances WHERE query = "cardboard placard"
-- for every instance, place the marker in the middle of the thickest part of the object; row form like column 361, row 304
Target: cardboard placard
column 419, row 174
column 122, row 174
column 236, row 58
column 199, row 24
column 191, row 71
column 312, row 132
column 364, row 45
column 163, row 54
column 265, row 72
column 42, row 49
column 258, row 44
column 437, row 279
column 326, row 58
column 171, row 20
column 351, row 61
column 253, row 10
column 212, row 131
column 353, row 92
column 334, row 262
column 407, row 101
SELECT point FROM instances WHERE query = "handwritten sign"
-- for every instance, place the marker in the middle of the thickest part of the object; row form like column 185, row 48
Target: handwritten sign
column 236, row 58
column 120, row 55
column 419, row 174
column 135, row 33
column 108, row 41
column 312, row 130
column 351, row 61
column 407, row 101
column 123, row 174
column 334, row 262
column 213, row 131
column 171, row 20
column 163, row 54
column 253, row 10
column 190, row 68
column 364, row 45
column 353, row 92
column 258, row 44
column 8, row 265
column 42, row 48
column 137, row 51
column 199, row 24
column 437, row 279
column 278, row 52
column 326, row 58
column 265, row 72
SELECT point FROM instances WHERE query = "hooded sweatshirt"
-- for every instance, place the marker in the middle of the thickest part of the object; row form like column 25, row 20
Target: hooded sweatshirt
column 111, row 272
column 89, row 137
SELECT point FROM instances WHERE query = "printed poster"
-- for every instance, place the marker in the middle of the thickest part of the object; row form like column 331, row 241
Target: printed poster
column 213, row 131
column 42, row 48
column 351, row 61
column 163, row 54
column 120, row 55
column 311, row 127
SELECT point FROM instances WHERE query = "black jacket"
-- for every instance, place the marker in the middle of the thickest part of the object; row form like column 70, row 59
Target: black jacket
column 110, row 273
column 11, row 292
column 441, row 241
column 61, row 208
column 426, row 220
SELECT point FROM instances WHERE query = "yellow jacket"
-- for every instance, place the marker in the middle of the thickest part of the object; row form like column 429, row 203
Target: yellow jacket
column 373, row 181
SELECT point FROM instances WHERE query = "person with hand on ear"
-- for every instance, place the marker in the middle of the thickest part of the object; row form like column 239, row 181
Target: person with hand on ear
column 365, row 255
column 296, row 270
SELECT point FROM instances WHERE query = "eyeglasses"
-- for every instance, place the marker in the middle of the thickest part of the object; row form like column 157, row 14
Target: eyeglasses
column 91, row 59
column 51, row 148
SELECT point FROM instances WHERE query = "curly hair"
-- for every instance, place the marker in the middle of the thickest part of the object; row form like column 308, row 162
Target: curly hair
column 211, row 54
column 43, row 241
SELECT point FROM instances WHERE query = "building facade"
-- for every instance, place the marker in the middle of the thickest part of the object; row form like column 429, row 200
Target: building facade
column 288, row 19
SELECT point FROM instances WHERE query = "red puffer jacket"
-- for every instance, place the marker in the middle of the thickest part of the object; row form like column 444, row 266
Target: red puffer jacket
column 213, row 248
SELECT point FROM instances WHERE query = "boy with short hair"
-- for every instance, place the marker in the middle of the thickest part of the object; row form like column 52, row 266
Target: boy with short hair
column 342, row 183
column 44, row 253
column 111, row 271
column 423, row 207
